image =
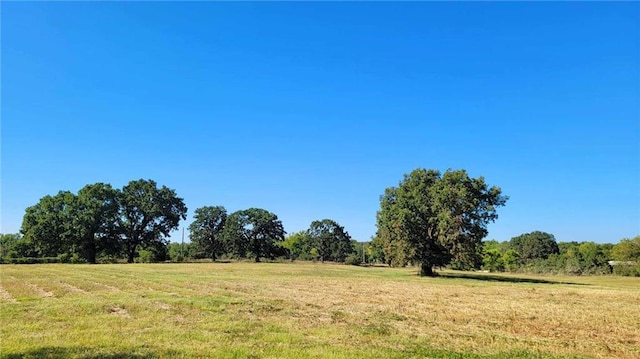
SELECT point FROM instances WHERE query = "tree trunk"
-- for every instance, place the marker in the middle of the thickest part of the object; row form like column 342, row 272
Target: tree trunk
column 213, row 256
column 131, row 255
column 426, row 270
column 257, row 259
column 90, row 253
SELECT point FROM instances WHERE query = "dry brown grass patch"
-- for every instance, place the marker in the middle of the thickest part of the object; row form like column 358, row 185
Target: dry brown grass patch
column 6, row 296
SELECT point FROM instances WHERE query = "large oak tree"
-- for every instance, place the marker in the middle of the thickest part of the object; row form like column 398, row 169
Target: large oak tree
column 205, row 231
column 47, row 225
column 94, row 214
column 148, row 214
column 330, row 239
column 254, row 231
column 432, row 219
column 534, row 245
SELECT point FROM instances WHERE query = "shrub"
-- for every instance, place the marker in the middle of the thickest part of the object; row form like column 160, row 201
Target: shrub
column 31, row 260
column 353, row 259
column 145, row 256
column 627, row 270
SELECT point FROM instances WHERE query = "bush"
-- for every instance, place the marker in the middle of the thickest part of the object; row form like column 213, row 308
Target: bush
column 77, row 259
column 627, row 270
column 31, row 260
column 353, row 259
column 109, row 259
column 145, row 256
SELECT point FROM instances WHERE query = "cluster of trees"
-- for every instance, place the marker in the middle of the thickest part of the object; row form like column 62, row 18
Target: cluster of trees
column 538, row 252
column 98, row 221
column 253, row 232
column 430, row 219
column 102, row 223
column 259, row 233
column 325, row 240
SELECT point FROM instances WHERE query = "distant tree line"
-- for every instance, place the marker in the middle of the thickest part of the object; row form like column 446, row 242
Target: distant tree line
column 429, row 220
column 539, row 253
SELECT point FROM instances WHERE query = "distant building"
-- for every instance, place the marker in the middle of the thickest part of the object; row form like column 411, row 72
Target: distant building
column 621, row 263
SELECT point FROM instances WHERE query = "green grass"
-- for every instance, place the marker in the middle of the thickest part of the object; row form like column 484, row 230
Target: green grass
column 304, row 310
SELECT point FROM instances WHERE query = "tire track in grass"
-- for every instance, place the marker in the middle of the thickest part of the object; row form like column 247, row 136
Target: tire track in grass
column 93, row 284
column 137, row 288
column 134, row 284
column 50, row 282
column 112, row 287
column 94, row 280
column 71, row 288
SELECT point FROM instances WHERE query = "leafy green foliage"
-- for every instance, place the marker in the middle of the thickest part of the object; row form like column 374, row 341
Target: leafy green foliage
column 14, row 245
column 254, row 231
column 573, row 258
column 47, row 225
column 535, row 245
column 178, row 252
column 205, row 231
column 148, row 215
column 433, row 219
column 353, row 259
column 330, row 239
column 627, row 250
column 101, row 221
column 627, row 253
column 298, row 246
column 492, row 260
column 94, row 213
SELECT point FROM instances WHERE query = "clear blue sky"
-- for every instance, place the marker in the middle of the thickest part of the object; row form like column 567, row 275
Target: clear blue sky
column 310, row 110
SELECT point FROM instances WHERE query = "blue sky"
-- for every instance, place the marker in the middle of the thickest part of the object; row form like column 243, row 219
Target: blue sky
column 310, row 110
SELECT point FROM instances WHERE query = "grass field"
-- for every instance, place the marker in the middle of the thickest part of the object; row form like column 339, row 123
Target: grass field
column 297, row 310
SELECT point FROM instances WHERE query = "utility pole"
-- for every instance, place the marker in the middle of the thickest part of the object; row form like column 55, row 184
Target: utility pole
column 182, row 246
column 364, row 259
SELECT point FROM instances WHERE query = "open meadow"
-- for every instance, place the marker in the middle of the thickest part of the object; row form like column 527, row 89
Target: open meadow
column 306, row 310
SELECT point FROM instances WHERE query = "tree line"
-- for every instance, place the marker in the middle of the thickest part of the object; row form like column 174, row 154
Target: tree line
column 106, row 224
column 538, row 252
column 430, row 219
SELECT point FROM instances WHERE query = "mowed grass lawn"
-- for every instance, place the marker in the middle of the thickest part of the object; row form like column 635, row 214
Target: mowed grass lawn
column 305, row 310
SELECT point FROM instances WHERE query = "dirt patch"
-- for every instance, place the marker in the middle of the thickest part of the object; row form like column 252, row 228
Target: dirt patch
column 39, row 291
column 163, row 306
column 119, row 311
column 7, row 297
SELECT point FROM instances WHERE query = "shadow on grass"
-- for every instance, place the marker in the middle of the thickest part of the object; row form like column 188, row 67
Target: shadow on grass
column 86, row 353
column 499, row 278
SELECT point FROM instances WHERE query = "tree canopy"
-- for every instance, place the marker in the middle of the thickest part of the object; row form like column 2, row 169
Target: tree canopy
column 330, row 239
column 103, row 220
column 94, row 213
column 627, row 250
column 535, row 245
column 432, row 219
column 254, row 231
column 205, row 231
column 148, row 215
column 47, row 225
